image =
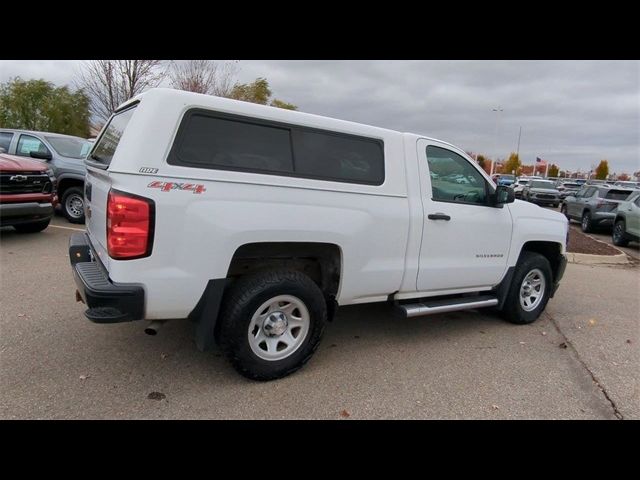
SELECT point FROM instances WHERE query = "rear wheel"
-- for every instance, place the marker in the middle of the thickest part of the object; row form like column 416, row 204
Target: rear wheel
column 563, row 210
column 33, row 227
column 530, row 289
column 73, row 204
column 587, row 225
column 272, row 323
column 619, row 235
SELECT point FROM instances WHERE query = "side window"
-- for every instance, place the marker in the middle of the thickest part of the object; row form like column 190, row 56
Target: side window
column 637, row 201
column 454, row 179
column 5, row 141
column 589, row 193
column 338, row 157
column 210, row 142
column 28, row 144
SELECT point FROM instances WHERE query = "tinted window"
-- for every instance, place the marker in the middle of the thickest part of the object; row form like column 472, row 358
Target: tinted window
column 228, row 144
column 5, row 141
column 589, row 192
column 106, row 147
column 28, row 144
column 637, row 202
column 338, row 157
column 453, row 178
column 70, row 146
column 615, row 194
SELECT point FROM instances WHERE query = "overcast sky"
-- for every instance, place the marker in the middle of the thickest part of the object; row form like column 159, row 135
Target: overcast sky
column 572, row 113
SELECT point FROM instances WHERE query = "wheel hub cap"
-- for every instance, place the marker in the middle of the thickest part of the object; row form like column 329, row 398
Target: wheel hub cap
column 275, row 324
column 532, row 290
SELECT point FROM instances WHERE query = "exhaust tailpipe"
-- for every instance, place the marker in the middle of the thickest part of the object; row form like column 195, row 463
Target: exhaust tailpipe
column 154, row 327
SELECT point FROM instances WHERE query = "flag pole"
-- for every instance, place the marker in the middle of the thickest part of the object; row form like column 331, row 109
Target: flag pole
column 546, row 171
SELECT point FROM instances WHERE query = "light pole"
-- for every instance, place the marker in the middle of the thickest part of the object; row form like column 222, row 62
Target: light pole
column 495, row 134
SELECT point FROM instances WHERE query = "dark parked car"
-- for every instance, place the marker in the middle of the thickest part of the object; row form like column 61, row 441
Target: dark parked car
column 542, row 192
column 594, row 206
column 64, row 154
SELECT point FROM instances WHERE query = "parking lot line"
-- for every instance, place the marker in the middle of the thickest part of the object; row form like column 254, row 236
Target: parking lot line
column 68, row 228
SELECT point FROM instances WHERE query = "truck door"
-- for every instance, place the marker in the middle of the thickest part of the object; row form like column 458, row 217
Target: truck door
column 465, row 242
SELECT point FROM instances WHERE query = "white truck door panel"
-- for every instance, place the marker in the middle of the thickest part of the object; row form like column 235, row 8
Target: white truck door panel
column 465, row 242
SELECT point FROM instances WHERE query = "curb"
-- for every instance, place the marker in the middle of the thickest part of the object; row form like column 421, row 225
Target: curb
column 588, row 259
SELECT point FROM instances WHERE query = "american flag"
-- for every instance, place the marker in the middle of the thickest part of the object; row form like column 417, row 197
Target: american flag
column 540, row 161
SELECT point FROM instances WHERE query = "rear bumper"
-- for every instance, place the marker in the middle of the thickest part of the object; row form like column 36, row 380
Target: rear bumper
column 108, row 302
column 27, row 212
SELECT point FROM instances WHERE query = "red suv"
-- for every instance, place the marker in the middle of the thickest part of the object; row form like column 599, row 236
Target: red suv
column 27, row 193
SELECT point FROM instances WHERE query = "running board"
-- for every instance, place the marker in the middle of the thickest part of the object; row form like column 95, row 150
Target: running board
column 448, row 305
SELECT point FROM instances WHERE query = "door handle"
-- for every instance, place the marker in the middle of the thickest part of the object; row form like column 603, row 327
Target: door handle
column 438, row 216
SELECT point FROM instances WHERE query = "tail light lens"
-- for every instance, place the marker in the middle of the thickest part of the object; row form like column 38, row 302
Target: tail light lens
column 130, row 224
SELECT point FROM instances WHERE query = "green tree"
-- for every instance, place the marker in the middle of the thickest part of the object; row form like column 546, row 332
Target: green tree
column 40, row 105
column 258, row 92
column 482, row 160
column 512, row 164
column 602, row 170
column 553, row 170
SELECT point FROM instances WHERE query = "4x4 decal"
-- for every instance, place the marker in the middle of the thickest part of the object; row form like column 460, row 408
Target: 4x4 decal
column 168, row 186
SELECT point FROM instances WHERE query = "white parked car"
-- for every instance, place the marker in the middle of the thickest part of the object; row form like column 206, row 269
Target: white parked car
column 257, row 222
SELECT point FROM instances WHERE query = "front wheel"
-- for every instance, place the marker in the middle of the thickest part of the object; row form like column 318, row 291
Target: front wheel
column 272, row 323
column 73, row 204
column 530, row 289
column 619, row 237
column 563, row 210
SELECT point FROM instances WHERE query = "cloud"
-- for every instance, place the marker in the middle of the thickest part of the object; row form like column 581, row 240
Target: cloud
column 573, row 113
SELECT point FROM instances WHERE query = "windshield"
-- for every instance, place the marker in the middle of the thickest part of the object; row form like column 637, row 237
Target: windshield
column 73, row 147
column 523, row 182
column 541, row 184
column 507, row 177
column 571, row 185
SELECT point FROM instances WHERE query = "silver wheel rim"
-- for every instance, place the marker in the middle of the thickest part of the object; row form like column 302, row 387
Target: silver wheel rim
column 585, row 222
column 74, row 205
column 532, row 290
column 278, row 327
column 617, row 232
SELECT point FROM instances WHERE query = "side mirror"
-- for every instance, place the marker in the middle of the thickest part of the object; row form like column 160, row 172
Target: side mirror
column 503, row 194
column 40, row 155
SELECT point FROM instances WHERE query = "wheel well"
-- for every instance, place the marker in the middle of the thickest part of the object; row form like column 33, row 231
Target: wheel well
column 320, row 261
column 550, row 250
column 66, row 183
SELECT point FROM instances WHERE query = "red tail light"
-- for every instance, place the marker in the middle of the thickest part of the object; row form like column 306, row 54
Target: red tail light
column 130, row 222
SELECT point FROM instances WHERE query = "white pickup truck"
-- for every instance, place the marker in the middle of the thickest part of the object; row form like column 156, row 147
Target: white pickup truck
column 256, row 222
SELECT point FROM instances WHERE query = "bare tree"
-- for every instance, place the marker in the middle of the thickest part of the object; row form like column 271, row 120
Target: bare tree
column 108, row 83
column 204, row 76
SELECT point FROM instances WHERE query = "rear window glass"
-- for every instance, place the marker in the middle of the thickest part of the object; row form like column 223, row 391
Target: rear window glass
column 615, row 194
column 106, row 146
column 227, row 144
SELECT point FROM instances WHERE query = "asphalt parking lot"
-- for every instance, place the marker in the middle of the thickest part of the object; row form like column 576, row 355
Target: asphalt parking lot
column 581, row 360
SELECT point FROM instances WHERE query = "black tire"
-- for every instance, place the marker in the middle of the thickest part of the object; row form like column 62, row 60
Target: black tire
column 72, row 193
column 512, row 310
column 618, row 236
column 32, row 227
column 242, row 301
column 555, row 205
column 586, row 224
column 564, row 211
